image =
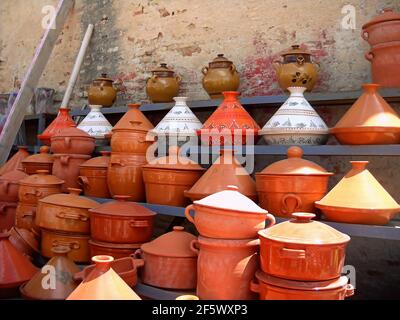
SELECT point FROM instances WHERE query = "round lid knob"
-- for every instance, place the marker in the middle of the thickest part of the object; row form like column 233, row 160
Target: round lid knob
column 103, row 262
column 232, row 188
column 303, row 217
column 43, row 172
column 74, row 191
column 121, row 198
column 295, row 152
column 295, row 47
column 178, row 228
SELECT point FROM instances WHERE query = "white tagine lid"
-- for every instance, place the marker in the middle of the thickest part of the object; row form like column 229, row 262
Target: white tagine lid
column 95, row 123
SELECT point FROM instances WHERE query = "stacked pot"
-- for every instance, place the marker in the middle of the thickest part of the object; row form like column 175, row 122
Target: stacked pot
column 227, row 247
column 71, row 147
column 129, row 144
column 41, row 161
column 302, row 259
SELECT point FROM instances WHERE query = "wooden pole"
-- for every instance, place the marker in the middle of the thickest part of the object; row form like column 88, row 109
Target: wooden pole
column 36, row 68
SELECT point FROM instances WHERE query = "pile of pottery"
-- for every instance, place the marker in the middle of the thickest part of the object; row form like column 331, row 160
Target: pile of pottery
column 302, row 259
column 227, row 247
column 129, row 144
column 383, row 35
column 41, row 161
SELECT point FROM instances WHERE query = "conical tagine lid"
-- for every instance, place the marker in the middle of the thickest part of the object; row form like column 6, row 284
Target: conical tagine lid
column 295, row 115
column 180, row 120
column 95, row 123
column 103, row 283
column 15, row 162
column 359, row 190
column 133, row 119
column 43, row 287
column 225, row 171
column 370, row 110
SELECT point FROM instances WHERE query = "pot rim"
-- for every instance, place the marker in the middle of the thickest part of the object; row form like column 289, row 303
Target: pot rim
column 230, row 212
column 363, row 129
column 385, row 45
column 327, row 174
column 391, row 211
column 228, row 243
column 299, row 242
column 40, row 185
column 115, row 246
column 165, row 255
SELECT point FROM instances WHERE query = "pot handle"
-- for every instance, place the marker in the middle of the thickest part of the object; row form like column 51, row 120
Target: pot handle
column 277, row 65
column 292, row 253
column 36, row 193
column 178, row 79
column 233, row 68
column 31, row 213
column 84, row 181
column 139, row 263
column 285, row 205
column 204, row 70
column 350, row 290
column 365, row 35
column 254, row 287
column 67, row 141
column 193, row 246
column 135, row 123
column 4, row 206
column 139, row 223
column 117, row 162
column 71, row 216
column 369, row 56
column 187, row 213
column 73, row 245
column 271, row 220
column 64, row 160
column 153, row 78
column 300, row 60
column 137, row 255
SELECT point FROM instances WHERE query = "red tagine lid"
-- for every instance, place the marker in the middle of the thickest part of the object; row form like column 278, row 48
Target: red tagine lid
column 62, row 121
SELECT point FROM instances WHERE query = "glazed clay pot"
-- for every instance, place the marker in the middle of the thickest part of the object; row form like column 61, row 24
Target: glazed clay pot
column 220, row 75
column 302, row 249
column 25, row 217
column 370, row 120
column 225, row 268
column 121, row 221
column 93, row 176
column 383, row 28
column 65, row 212
column 96, row 125
column 62, row 121
column 163, row 85
column 291, row 185
column 297, row 69
column 41, row 161
column 7, row 215
column 272, row 288
column 359, row 198
column 125, row 176
column 15, row 162
column 78, row 245
column 24, row 241
column 169, row 261
column 9, row 185
column 230, row 124
column 72, row 141
column 228, row 215
column 102, row 92
column 116, row 250
column 67, row 167
column 167, row 178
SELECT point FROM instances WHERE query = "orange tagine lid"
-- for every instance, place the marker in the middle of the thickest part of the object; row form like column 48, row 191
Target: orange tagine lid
column 71, row 200
column 15, row 162
column 134, row 120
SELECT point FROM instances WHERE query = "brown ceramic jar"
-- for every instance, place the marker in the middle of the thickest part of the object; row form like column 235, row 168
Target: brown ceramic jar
column 102, row 92
column 93, row 176
column 41, row 161
column 7, row 215
column 9, row 185
column 220, row 75
column 116, row 250
column 163, row 85
column 72, row 141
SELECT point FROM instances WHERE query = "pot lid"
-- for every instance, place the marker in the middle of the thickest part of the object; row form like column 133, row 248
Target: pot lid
column 163, row 68
column 42, row 177
column 14, row 163
column 95, row 123
column 72, row 131
column 28, row 237
column 104, row 77
column 303, row 230
column 388, row 14
column 180, row 120
column 15, row 267
column 70, row 200
column 220, row 61
column 62, row 121
column 226, row 170
column 98, row 162
column 370, row 110
column 294, row 165
column 295, row 115
column 302, row 285
column 14, row 176
column 172, row 244
column 122, row 207
column 295, row 49
column 231, row 199
column 174, row 161
column 43, row 156
column 359, row 190
column 133, row 119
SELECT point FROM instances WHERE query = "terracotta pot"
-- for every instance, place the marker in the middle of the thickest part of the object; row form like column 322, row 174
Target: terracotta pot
column 230, row 124
column 62, row 121
column 167, row 178
column 383, row 28
column 228, row 215
column 169, row 261
column 291, row 185
column 15, row 268
column 15, row 162
column 7, row 215
column 38, row 186
column 296, row 69
column 24, row 241
column 125, row 176
column 25, row 217
column 65, row 212
column 121, row 222
column 220, row 75
column 102, row 92
column 136, row 116
column 130, row 141
column 64, row 270
column 163, row 85
column 116, row 250
column 93, row 176
column 72, row 141
column 66, row 167
column 9, row 185
column 225, row 268
column 359, row 198
column 302, row 249
column 41, row 161
column 103, row 276
column 126, row 268
column 78, row 245
column 371, row 120
column 271, row 288
column 225, row 171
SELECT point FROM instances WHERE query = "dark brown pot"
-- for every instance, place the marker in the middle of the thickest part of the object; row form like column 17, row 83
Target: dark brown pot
column 163, row 85
column 66, row 167
column 102, row 92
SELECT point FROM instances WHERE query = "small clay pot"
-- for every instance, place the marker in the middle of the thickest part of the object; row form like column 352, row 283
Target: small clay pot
column 41, row 161
column 66, row 167
column 116, row 250
column 7, row 215
column 102, row 92
column 9, row 185
column 163, row 85
column 72, row 141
